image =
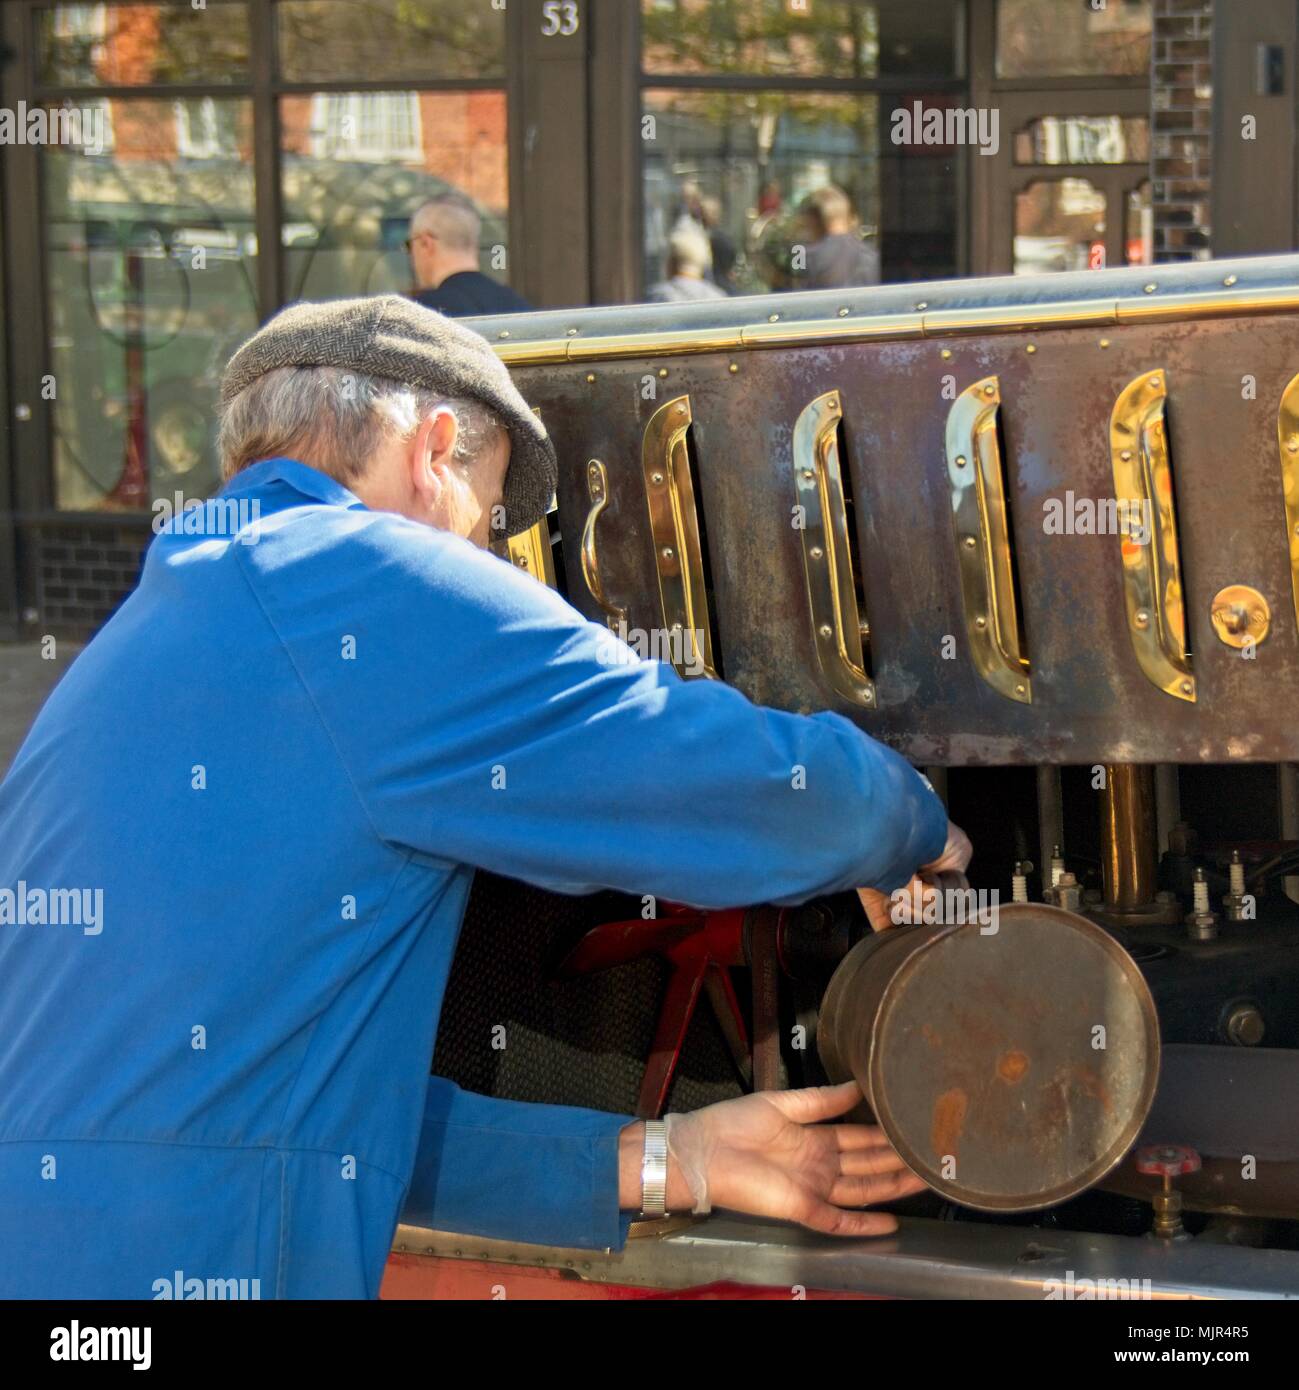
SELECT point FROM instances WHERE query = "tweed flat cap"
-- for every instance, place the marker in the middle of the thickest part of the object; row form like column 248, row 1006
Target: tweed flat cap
column 390, row 336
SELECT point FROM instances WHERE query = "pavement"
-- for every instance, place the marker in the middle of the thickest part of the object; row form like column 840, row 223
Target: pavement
column 27, row 676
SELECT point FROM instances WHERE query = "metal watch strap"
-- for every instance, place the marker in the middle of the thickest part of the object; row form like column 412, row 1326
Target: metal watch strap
column 654, row 1171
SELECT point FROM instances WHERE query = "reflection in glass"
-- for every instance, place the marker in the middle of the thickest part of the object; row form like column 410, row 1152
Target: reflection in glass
column 830, row 38
column 742, row 165
column 1072, row 38
column 135, row 45
column 1059, row 225
column 356, row 165
column 1084, row 140
column 333, row 40
column 1139, row 232
column 151, row 274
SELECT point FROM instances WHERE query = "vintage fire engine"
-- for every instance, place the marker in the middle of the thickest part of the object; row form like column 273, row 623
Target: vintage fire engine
column 1041, row 535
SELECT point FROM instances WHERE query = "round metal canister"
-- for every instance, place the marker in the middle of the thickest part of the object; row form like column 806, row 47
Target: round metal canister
column 1011, row 1062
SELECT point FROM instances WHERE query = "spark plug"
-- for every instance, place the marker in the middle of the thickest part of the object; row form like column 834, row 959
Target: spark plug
column 1202, row 924
column 1233, row 903
column 1019, row 882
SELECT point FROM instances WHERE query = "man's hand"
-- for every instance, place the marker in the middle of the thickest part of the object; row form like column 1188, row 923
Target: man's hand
column 955, row 858
column 956, row 854
column 767, row 1155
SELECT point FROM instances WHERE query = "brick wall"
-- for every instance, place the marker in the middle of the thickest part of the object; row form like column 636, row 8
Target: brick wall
column 84, row 570
column 1181, row 87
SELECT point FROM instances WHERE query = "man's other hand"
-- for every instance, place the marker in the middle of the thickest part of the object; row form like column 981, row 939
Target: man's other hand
column 767, row 1155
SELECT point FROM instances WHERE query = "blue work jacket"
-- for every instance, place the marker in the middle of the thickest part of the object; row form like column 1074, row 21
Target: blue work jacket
column 235, row 851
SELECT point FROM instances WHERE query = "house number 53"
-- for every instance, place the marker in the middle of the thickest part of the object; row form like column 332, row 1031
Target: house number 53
column 560, row 17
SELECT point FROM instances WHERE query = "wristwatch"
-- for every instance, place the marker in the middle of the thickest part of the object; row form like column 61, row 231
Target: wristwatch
column 654, row 1172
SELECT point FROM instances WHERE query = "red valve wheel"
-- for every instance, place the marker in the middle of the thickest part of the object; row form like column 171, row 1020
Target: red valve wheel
column 1167, row 1160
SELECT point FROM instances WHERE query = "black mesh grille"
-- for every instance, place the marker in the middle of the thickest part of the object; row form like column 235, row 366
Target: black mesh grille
column 571, row 1042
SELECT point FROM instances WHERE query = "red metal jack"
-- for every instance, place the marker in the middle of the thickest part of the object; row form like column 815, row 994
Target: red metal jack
column 700, row 948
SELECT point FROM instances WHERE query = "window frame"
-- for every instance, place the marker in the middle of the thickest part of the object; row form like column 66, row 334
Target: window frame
column 1018, row 108
column 30, row 458
column 996, row 180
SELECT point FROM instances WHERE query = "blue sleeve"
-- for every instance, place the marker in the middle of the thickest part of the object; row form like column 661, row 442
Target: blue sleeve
column 559, row 1166
column 484, row 721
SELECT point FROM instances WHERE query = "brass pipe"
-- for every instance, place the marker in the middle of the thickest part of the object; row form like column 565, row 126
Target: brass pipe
column 1128, row 837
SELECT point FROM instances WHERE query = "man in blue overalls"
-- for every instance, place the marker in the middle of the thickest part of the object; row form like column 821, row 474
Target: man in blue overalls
column 236, row 847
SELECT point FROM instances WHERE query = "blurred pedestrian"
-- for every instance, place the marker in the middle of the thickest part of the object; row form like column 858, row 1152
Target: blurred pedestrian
column 689, row 263
column 721, row 246
column 837, row 257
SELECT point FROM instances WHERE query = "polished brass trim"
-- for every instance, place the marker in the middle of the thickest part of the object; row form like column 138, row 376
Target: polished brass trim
column 1241, row 616
column 827, row 555
column 993, row 319
column 686, row 341
column 531, row 552
column 1287, row 427
column 1152, row 573
column 597, row 487
column 532, row 354
column 982, row 522
column 1205, row 306
column 674, row 529
column 944, row 323
column 895, row 327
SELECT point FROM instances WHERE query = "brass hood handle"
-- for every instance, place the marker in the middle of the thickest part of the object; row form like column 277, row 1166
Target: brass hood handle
column 674, row 531
column 837, row 626
column 597, row 487
column 987, row 568
column 1152, row 573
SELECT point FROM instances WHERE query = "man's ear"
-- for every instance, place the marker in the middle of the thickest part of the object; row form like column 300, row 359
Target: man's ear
column 432, row 451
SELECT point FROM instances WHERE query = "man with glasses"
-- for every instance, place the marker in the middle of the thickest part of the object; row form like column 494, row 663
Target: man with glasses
column 443, row 246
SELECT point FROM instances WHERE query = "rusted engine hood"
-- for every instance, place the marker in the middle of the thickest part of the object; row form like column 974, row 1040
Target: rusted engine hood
column 974, row 425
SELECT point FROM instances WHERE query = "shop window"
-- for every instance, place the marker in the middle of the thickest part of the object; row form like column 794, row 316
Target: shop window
column 338, row 40
column 739, row 165
column 803, row 182
column 825, row 39
column 1059, row 225
column 1073, row 38
column 134, row 45
column 755, row 172
column 150, row 273
column 355, row 166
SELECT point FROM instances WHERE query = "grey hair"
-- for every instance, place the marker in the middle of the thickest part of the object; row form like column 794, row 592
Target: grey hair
column 337, row 420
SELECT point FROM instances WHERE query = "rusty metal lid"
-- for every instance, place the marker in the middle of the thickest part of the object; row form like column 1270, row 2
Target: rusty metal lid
column 1013, row 1070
